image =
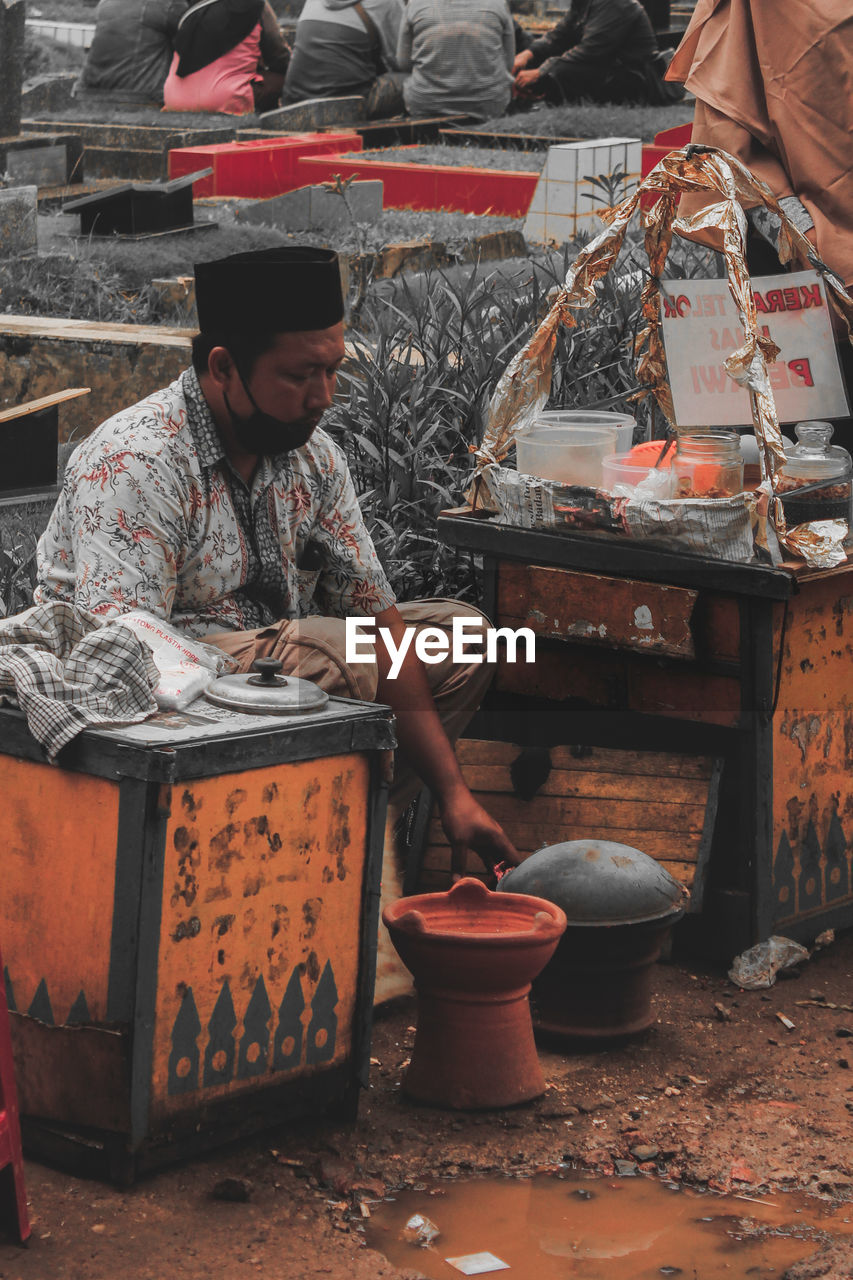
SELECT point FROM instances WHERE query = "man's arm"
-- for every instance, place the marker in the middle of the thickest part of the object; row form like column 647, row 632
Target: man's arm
column 426, row 746
column 555, row 42
column 274, row 49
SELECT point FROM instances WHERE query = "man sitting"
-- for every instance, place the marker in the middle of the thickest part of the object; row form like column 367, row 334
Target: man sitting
column 603, row 51
column 347, row 47
column 132, row 47
column 460, row 53
column 220, row 505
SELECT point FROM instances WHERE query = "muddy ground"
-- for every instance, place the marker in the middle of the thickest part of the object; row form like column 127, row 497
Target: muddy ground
column 719, row 1093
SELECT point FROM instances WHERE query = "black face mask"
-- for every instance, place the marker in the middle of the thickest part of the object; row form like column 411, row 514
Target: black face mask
column 261, row 433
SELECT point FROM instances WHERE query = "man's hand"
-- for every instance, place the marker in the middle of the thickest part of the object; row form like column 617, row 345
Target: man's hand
column 522, row 60
column 425, row 746
column 469, row 827
column 527, row 83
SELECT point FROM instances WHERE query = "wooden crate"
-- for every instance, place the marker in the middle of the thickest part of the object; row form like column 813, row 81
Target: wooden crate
column 661, row 803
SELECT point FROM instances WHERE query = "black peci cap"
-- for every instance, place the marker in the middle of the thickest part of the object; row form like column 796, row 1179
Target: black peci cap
column 290, row 289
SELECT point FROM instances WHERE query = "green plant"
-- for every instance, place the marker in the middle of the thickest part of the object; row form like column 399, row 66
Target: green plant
column 416, row 394
column 17, row 566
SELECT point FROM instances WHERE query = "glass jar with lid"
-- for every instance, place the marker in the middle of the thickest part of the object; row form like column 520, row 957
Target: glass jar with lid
column 815, row 482
column 708, row 464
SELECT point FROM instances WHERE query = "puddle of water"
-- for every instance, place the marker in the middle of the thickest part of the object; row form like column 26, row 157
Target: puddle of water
column 604, row 1229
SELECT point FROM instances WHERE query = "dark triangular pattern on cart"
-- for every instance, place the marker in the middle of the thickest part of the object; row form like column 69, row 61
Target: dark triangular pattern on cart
column 837, row 879
column 289, row 1026
column 321, row 1048
column 811, row 881
column 78, row 1014
column 41, row 1007
column 783, row 878
column 256, row 1032
column 220, row 1032
column 10, row 991
column 185, row 1034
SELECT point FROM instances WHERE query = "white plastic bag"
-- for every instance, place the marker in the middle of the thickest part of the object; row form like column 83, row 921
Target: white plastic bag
column 757, row 967
column 186, row 667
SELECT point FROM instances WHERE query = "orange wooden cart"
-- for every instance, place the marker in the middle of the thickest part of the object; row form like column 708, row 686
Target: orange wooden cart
column 742, row 663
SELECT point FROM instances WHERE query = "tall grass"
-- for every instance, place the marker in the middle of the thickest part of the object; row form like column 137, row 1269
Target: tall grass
column 18, row 541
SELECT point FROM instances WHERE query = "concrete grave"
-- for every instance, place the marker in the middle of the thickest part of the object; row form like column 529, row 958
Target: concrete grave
column 178, row 292
column 122, row 363
column 316, row 207
column 138, row 152
column 12, row 19
column 257, row 167
column 495, row 246
column 499, row 192
column 48, row 160
column 312, row 114
column 566, row 198
column 48, row 92
column 409, row 255
column 18, row 221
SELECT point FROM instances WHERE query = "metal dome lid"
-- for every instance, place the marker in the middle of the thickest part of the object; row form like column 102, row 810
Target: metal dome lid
column 267, row 692
column 598, row 882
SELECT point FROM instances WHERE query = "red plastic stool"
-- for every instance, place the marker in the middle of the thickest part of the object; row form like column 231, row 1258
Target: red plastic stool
column 13, row 1195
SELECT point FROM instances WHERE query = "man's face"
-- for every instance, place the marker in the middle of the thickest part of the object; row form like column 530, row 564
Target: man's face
column 292, row 385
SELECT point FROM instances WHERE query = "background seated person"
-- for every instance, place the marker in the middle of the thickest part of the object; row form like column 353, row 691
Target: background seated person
column 132, row 47
column 604, row 51
column 346, row 47
column 219, row 504
column 460, row 53
column 230, row 56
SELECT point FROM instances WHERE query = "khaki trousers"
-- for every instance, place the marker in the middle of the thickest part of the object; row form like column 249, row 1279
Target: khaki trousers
column 314, row 648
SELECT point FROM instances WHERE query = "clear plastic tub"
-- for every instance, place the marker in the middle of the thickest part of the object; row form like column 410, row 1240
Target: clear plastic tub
column 571, row 456
column 621, row 425
column 631, row 468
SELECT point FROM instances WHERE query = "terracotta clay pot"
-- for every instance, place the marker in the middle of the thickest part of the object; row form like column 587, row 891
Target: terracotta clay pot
column 473, row 955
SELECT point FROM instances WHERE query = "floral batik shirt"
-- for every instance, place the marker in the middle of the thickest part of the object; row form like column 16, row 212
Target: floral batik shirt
column 152, row 516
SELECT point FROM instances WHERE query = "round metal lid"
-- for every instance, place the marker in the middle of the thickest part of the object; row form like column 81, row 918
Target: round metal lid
column 598, row 882
column 267, row 692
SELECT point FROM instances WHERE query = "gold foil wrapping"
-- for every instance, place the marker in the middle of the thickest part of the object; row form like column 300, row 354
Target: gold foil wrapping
column 524, row 387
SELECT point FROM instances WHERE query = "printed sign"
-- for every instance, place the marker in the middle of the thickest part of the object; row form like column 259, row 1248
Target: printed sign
column 700, row 328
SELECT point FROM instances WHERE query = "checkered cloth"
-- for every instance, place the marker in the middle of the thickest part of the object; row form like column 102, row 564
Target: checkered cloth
column 69, row 671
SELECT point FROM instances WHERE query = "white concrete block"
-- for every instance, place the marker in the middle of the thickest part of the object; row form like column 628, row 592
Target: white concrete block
column 566, row 199
column 563, row 162
column 534, row 226
column 561, row 199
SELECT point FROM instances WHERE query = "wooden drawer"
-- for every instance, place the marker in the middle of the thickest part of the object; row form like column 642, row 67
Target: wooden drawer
column 620, row 613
